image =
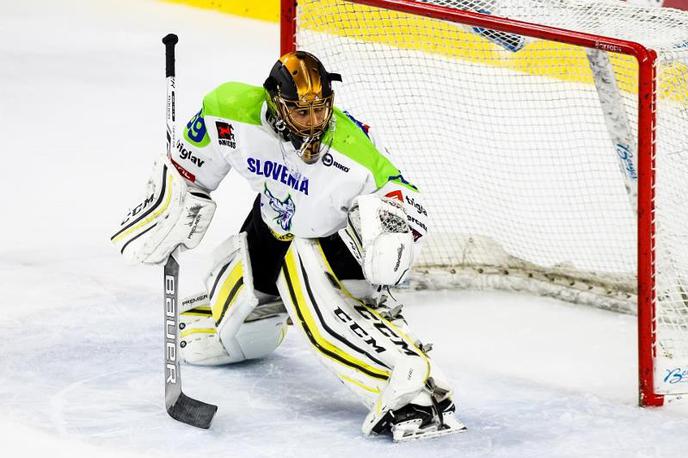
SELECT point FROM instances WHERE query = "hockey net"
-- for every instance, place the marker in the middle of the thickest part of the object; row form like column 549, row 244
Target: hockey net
column 548, row 138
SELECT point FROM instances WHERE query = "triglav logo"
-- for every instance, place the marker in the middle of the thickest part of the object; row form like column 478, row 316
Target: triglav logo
column 188, row 155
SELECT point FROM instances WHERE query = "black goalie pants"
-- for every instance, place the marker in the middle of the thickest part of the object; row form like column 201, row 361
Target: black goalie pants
column 266, row 253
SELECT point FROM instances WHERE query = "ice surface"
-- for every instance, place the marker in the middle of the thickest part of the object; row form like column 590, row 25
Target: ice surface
column 82, row 113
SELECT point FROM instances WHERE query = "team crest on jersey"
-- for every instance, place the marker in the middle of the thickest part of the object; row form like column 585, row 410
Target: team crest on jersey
column 285, row 209
column 225, row 134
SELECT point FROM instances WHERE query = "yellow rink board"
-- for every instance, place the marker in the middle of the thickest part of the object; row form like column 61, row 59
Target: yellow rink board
column 406, row 31
column 266, row 10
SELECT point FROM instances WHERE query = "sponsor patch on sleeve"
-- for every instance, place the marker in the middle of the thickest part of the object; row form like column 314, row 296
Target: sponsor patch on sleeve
column 188, row 155
column 225, row 134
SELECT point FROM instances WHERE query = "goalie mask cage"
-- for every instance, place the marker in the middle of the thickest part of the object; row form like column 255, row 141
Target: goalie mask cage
column 549, row 138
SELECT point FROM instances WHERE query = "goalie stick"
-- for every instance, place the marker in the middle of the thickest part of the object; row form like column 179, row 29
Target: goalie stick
column 180, row 407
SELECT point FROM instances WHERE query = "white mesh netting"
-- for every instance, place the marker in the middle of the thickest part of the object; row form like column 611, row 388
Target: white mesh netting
column 509, row 141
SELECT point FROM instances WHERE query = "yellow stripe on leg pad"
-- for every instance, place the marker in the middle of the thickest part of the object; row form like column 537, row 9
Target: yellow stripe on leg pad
column 324, row 347
column 188, row 332
column 372, row 311
column 231, row 286
column 352, row 381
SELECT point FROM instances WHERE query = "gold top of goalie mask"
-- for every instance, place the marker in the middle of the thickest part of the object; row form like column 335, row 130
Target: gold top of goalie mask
column 300, row 95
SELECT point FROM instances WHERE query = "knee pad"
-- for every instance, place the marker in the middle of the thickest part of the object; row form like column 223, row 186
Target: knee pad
column 227, row 325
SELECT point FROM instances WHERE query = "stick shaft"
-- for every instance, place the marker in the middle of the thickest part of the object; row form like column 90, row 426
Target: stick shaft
column 170, row 41
column 178, row 405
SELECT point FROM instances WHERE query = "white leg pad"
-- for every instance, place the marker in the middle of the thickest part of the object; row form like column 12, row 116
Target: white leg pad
column 259, row 338
column 215, row 327
column 366, row 351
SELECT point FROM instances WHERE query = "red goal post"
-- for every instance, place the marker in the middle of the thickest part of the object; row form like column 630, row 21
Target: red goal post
column 643, row 130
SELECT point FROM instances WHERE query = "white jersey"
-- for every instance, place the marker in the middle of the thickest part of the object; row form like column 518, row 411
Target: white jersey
column 231, row 131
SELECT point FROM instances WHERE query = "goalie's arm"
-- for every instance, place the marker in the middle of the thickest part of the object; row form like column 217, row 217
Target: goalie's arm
column 196, row 155
column 177, row 208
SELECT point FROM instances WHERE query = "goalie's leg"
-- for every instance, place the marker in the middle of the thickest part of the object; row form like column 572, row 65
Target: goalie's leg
column 369, row 353
column 231, row 322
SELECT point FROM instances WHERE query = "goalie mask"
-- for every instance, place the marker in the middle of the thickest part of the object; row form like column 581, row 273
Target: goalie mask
column 300, row 100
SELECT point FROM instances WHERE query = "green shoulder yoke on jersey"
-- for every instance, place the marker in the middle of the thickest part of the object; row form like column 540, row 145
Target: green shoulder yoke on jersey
column 243, row 103
column 234, row 101
column 350, row 140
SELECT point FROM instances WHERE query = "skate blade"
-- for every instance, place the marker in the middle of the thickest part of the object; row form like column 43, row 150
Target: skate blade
column 401, row 435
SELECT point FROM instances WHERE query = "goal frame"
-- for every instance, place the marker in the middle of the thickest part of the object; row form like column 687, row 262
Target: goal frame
column 646, row 59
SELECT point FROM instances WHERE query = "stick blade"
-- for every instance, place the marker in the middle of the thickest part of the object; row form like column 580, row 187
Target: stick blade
column 192, row 411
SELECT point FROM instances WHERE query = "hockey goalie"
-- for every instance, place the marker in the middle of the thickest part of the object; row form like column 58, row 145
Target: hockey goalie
column 333, row 227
